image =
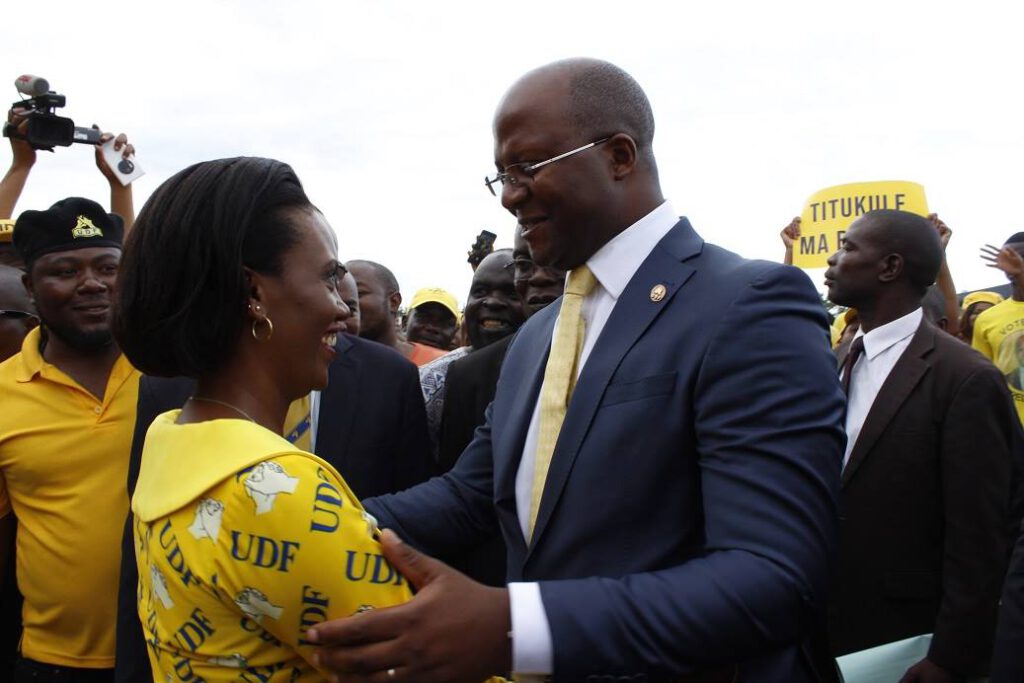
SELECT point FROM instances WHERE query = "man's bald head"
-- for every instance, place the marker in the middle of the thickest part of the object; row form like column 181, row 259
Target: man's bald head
column 601, row 99
column 912, row 237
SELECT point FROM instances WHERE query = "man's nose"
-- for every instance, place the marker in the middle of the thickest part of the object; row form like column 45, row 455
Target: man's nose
column 513, row 195
column 92, row 282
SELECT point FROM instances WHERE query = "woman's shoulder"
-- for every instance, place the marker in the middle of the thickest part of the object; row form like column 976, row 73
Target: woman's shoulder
column 182, row 461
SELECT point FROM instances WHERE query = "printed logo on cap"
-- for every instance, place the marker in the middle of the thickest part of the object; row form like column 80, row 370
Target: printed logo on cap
column 85, row 228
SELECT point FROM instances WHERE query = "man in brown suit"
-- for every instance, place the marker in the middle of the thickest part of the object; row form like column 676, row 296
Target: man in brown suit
column 926, row 497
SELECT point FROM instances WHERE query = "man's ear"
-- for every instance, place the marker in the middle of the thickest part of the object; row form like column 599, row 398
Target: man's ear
column 891, row 268
column 26, row 282
column 394, row 303
column 623, row 151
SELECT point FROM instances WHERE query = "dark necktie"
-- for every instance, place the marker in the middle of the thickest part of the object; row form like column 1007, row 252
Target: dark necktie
column 856, row 349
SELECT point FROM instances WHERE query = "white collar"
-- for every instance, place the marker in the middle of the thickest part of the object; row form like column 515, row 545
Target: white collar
column 615, row 264
column 885, row 336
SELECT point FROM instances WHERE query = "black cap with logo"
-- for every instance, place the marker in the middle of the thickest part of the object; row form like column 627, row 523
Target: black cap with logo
column 72, row 223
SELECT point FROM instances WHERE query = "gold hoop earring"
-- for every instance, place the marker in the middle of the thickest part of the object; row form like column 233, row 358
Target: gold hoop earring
column 270, row 329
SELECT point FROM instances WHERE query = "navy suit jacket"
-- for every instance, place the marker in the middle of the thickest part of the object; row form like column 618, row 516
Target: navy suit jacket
column 372, row 427
column 689, row 519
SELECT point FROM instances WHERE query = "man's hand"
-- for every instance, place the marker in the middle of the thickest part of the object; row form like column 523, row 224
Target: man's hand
column 790, row 233
column 22, row 153
column 121, row 144
column 453, row 630
column 1006, row 259
column 944, row 232
column 927, row 671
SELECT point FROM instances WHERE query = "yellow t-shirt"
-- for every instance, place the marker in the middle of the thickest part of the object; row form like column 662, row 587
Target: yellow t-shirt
column 63, row 471
column 243, row 543
column 999, row 334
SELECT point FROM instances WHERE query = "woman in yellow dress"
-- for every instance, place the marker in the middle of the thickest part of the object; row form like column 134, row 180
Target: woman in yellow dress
column 242, row 541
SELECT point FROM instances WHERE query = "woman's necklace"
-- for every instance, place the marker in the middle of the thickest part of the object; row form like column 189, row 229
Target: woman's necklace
column 222, row 403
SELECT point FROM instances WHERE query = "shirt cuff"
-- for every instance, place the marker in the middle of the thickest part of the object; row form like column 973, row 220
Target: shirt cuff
column 531, row 633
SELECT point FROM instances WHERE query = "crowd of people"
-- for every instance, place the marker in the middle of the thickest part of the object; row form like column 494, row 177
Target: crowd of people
column 227, row 453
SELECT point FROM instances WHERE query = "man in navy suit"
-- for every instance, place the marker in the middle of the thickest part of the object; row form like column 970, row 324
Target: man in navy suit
column 688, row 521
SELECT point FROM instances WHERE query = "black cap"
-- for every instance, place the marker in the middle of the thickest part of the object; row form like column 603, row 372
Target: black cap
column 72, row 223
column 1015, row 238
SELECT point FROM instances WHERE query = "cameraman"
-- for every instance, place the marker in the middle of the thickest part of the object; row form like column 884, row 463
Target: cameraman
column 23, row 158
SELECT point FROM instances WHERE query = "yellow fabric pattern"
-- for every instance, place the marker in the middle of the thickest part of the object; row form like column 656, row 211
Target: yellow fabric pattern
column 242, row 544
column 559, row 378
column 999, row 335
column 297, row 424
column 63, row 467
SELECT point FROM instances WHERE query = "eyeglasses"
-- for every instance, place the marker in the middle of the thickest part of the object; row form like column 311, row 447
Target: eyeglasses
column 16, row 315
column 514, row 174
column 522, row 269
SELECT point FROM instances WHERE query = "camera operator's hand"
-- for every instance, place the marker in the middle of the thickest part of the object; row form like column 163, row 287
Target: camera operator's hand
column 120, row 195
column 23, row 154
column 23, row 158
column 121, row 145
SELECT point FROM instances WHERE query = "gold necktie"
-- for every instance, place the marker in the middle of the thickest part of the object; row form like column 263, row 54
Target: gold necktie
column 297, row 424
column 559, row 378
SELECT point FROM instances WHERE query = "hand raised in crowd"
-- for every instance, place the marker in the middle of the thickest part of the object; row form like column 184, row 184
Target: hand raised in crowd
column 454, row 629
column 944, row 232
column 927, row 671
column 1006, row 259
column 23, row 158
column 121, row 144
column 23, row 155
column 791, row 233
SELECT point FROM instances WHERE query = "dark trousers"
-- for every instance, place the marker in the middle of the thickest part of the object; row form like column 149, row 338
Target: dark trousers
column 31, row 671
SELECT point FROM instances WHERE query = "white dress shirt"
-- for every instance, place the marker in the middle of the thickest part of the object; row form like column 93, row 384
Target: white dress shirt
column 614, row 265
column 883, row 346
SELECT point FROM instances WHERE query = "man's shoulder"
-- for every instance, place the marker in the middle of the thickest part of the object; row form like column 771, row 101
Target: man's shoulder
column 727, row 266
column 954, row 358
column 371, row 353
column 1007, row 309
column 490, row 355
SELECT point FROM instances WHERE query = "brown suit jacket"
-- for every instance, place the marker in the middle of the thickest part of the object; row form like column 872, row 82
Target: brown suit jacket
column 926, row 507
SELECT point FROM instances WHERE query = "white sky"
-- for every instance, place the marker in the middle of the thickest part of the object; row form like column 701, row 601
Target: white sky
column 384, row 107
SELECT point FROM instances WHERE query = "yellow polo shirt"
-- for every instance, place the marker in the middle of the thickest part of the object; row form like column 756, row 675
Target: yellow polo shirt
column 63, row 470
column 242, row 543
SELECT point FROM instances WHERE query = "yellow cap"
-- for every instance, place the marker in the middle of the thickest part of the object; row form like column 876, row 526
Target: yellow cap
column 976, row 297
column 436, row 295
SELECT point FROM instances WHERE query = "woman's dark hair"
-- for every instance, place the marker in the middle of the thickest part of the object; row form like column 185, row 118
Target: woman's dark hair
column 182, row 291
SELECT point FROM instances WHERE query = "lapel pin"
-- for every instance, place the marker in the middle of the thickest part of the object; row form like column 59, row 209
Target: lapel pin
column 658, row 293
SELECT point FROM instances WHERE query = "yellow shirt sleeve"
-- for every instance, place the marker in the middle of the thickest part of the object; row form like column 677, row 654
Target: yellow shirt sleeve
column 302, row 551
column 979, row 339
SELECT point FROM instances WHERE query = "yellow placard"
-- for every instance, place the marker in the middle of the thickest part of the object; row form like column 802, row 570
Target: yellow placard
column 829, row 212
column 6, row 229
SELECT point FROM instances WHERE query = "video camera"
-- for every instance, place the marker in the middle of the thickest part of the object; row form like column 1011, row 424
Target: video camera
column 45, row 129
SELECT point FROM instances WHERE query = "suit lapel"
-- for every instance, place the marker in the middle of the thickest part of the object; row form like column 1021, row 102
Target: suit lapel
column 338, row 406
column 529, row 377
column 905, row 375
column 633, row 313
column 508, row 445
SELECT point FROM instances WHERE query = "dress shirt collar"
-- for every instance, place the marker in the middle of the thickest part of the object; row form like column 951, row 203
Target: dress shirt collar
column 885, row 336
column 615, row 264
